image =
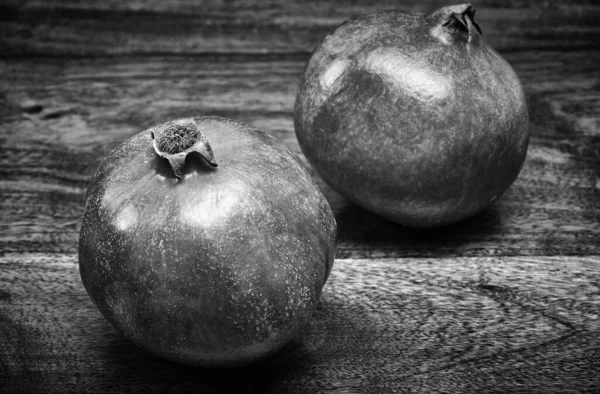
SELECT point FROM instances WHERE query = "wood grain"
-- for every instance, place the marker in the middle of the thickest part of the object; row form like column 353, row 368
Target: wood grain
column 523, row 324
column 116, row 27
column 85, row 107
column 508, row 301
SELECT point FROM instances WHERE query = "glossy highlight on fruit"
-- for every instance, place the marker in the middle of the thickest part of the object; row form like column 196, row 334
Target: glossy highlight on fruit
column 413, row 116
column 206, row 242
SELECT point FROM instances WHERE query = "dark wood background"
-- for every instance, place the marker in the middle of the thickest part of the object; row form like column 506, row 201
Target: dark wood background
column 508, row 301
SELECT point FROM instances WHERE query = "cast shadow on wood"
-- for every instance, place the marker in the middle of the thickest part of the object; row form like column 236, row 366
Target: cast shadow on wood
column 335, row 331
column 356, row 225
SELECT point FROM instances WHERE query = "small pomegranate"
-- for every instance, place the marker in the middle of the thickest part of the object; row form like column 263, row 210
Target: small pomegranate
column 204, row 264
column 413, row 117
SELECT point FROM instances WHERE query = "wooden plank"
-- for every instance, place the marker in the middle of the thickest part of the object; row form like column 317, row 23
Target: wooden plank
column 508, row 301
column 114, row 27
column 522, row 324
column 60, row 117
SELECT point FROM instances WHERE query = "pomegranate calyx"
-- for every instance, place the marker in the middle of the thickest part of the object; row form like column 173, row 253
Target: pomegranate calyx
column 176, row 139
column 464, row 21
column 456, row 23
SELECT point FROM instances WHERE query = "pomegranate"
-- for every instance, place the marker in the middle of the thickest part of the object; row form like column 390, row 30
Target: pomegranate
column 413, row 117
column 204, row 264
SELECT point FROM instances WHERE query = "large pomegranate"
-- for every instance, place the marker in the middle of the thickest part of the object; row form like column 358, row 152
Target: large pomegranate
column 204, row 264
column 413, row 117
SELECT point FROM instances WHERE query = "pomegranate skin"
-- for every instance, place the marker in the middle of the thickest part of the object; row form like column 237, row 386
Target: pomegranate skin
column 217, row 267
column 413, row 117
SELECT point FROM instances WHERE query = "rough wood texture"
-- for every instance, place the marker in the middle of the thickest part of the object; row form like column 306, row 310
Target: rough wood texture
column 410, row 325
column 88, row 106
column 508, row 301
column 186, row 26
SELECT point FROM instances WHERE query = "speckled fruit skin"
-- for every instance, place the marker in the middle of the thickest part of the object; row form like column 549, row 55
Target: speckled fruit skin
column 220, row 268
column 413, row 117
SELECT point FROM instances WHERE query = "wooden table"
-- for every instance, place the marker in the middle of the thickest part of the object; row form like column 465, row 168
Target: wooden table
column 508, row 301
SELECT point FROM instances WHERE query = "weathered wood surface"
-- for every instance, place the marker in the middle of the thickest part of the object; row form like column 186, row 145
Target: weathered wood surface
column 90, row 27
column 519, row 324
column 88, row 106
column 508, row 301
